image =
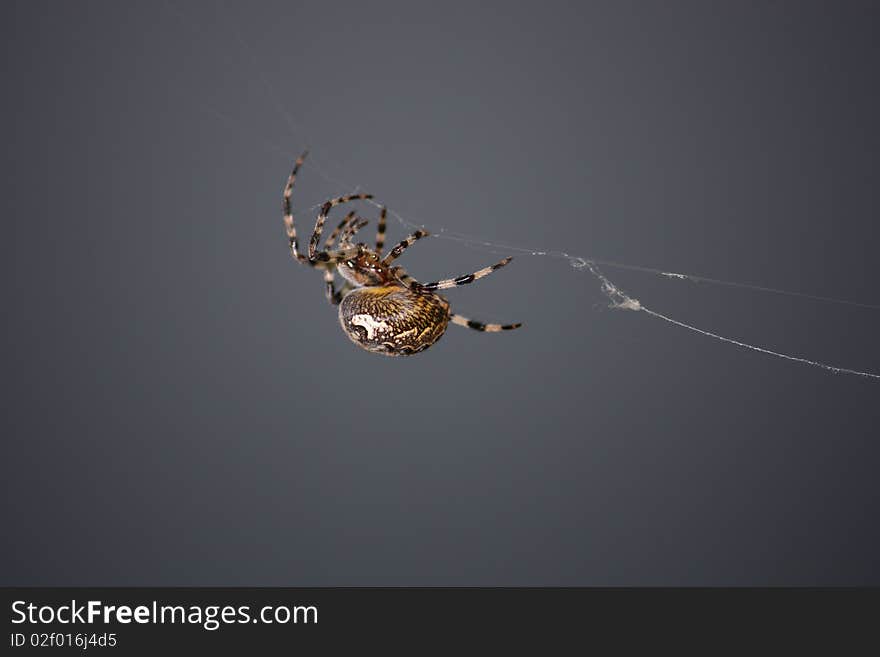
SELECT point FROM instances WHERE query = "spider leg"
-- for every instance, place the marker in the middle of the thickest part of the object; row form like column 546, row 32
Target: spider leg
column 334, row 297
column 314, row 258
column 447, row 283
column 322, row 217
column 325, row 258
column 332, row 239
column 394, row 253
column 479, row 326
column 408, row 281
column 380, row 231
column 350, row 231
column 288, row 213
column 401, row 275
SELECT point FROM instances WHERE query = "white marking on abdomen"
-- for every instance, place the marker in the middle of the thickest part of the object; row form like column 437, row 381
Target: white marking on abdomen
column 370, row 325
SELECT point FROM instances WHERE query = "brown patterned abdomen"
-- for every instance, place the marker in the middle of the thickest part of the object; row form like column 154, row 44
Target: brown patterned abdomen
column 392, row 319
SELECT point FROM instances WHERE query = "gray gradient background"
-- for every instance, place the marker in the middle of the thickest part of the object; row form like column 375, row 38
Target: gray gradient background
column 181, row 407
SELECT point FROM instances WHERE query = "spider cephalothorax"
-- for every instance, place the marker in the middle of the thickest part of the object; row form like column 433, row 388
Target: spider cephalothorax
column 365, row 269
column 381, row 307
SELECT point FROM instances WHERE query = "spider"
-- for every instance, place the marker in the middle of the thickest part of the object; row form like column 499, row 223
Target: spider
column 381, row 308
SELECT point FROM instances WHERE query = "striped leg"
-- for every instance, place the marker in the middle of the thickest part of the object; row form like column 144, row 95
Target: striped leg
column 479, row 326
column 323, row 258
column 351, row 230
column 322, row 217
column 334, row 297
column 455, row 282
column 380, row 231
column 288, row 213
column 332, row 239
column 400, row 274
column 394, row 253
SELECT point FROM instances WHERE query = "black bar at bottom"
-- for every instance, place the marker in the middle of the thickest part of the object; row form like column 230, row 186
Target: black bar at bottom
column 146, row 620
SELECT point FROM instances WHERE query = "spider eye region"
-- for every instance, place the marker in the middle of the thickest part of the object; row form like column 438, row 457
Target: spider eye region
column 362, row 272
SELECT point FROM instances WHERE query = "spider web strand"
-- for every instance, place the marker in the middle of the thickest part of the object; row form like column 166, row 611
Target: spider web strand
column 621, row 300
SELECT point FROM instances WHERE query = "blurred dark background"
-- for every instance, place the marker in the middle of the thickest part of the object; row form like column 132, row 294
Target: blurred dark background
column 182, row 408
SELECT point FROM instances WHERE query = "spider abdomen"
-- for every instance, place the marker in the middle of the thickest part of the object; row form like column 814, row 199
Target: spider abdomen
column 393, row 320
